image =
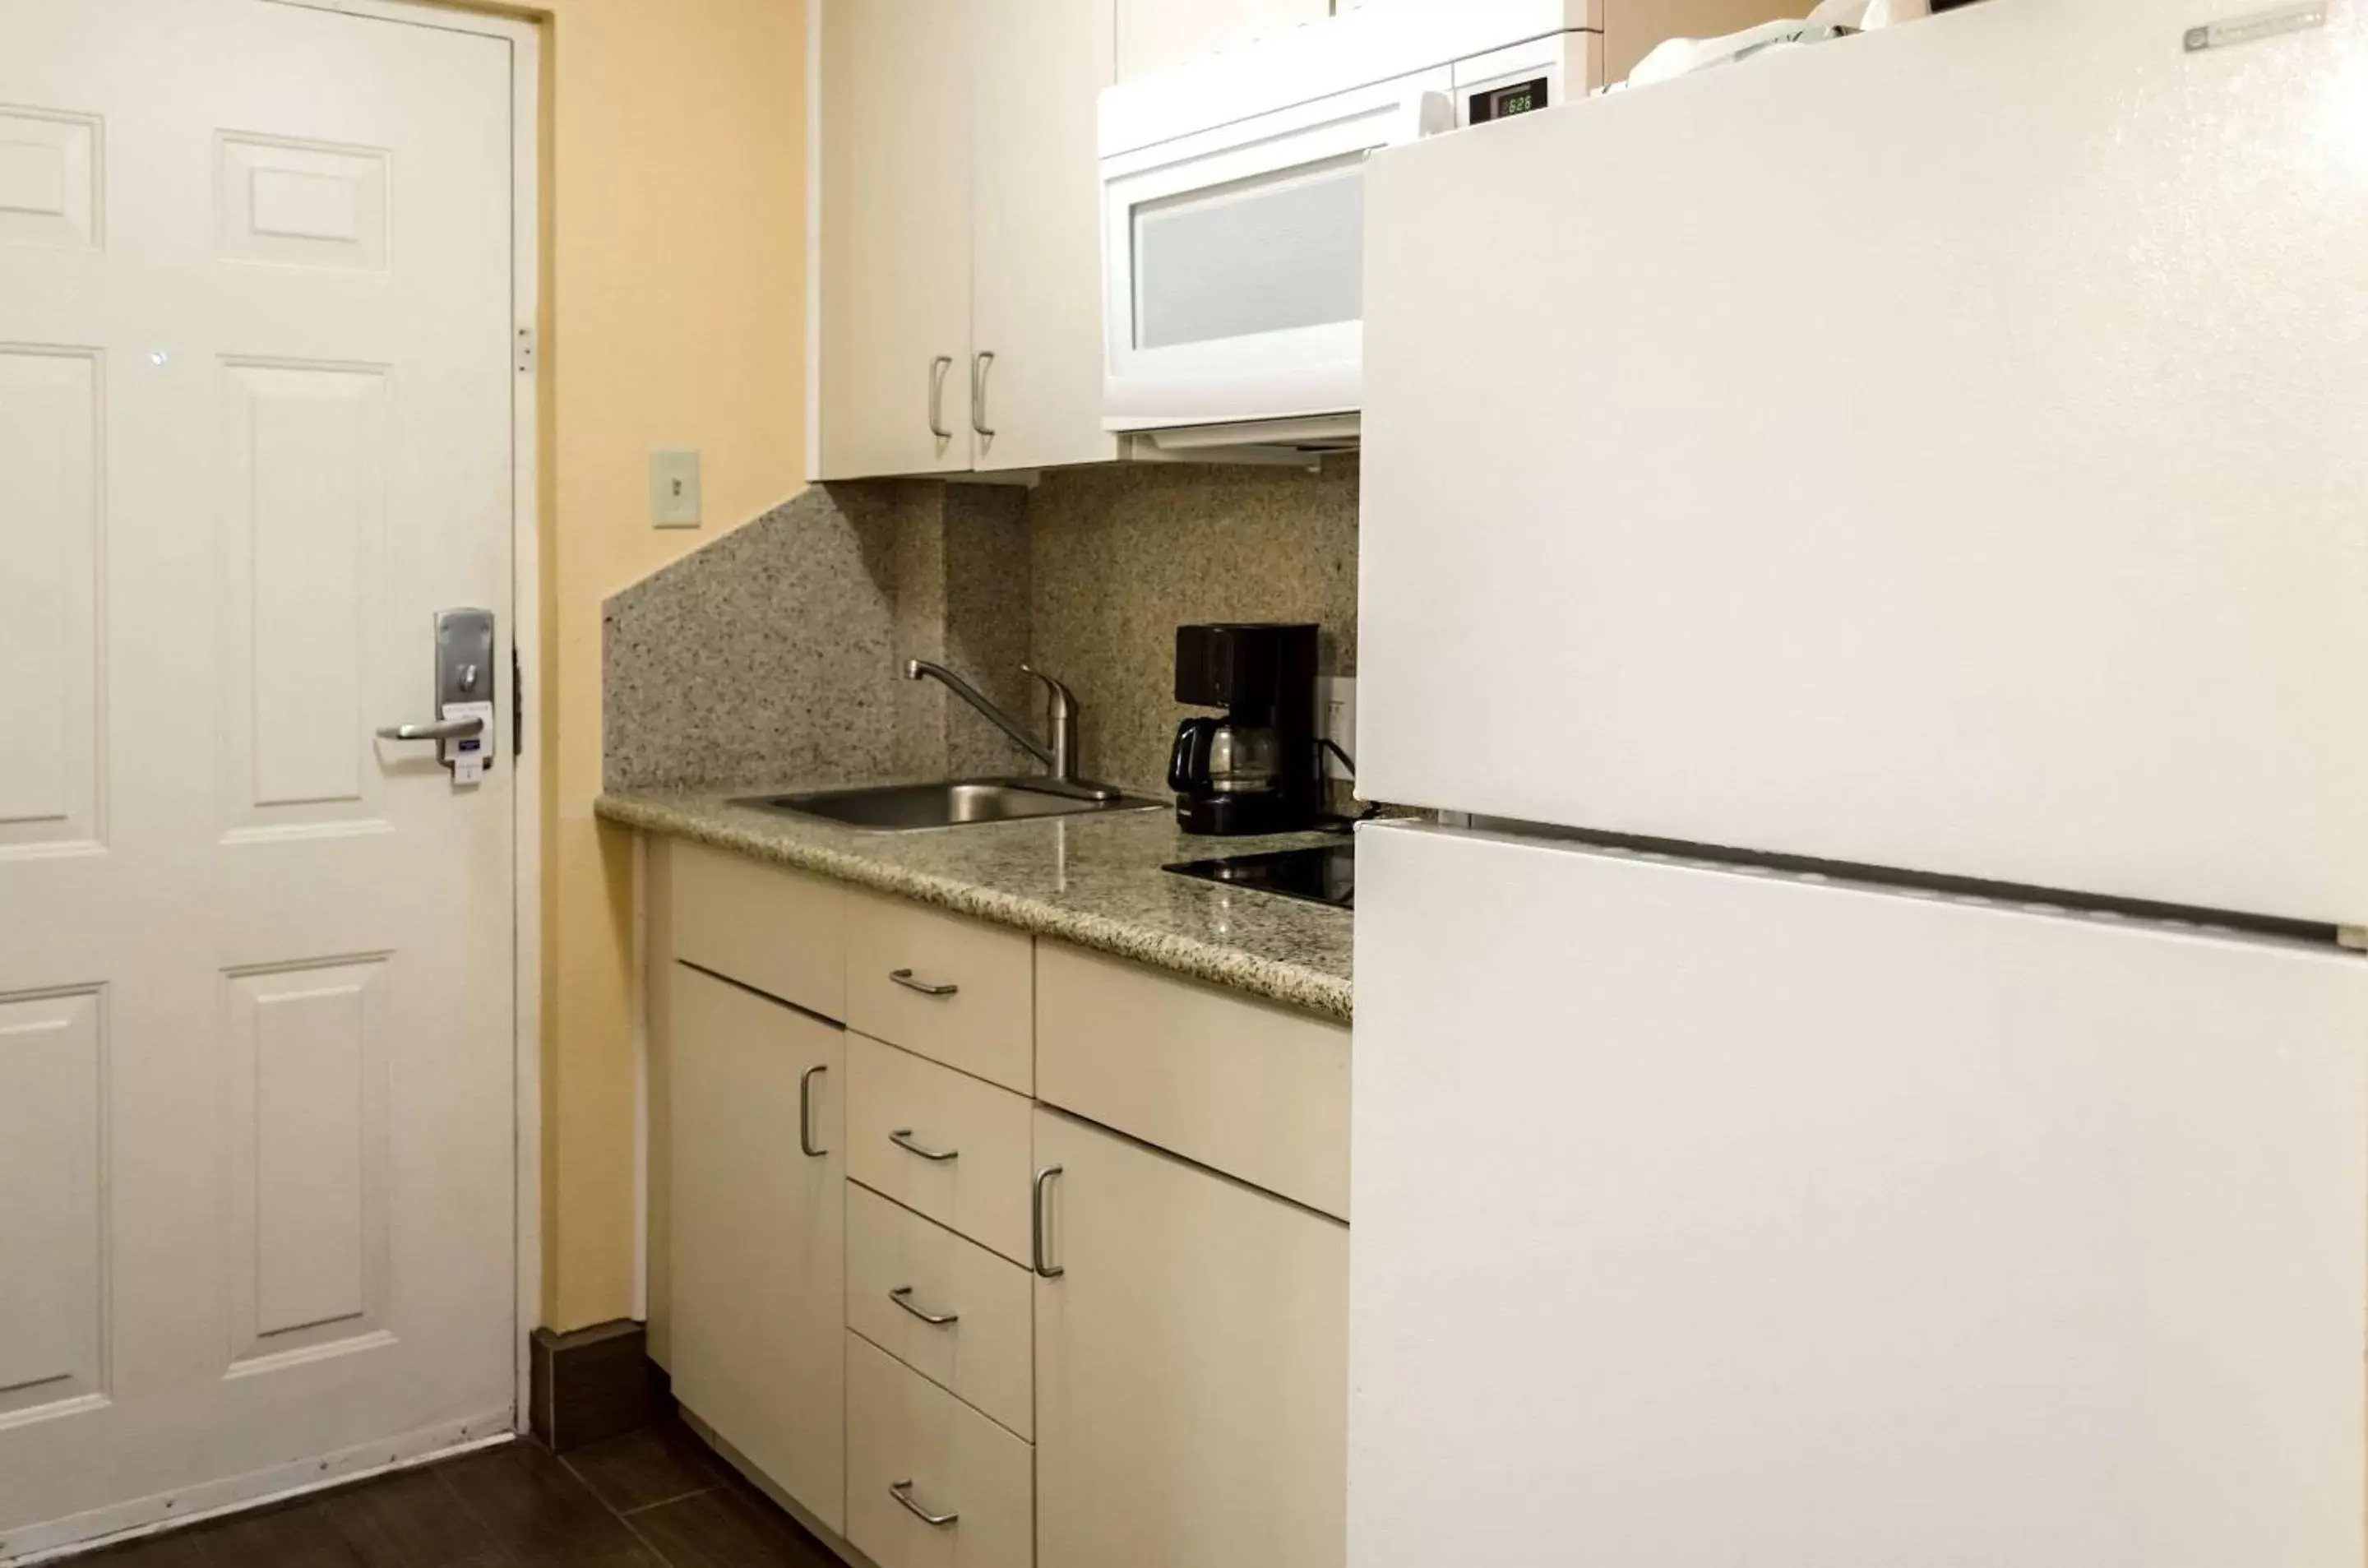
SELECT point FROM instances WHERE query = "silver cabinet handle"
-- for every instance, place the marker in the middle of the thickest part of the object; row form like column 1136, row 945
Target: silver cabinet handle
column 938, row 368
column 434, row 729
column 1039, row 1224
column 805, row 1113
column 904, row 977
column 903, row 1138
column 980, row 365
column 902, row 1493
column 903, row 1296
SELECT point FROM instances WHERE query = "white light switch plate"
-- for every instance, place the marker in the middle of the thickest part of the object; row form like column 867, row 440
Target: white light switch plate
column 674, row 489
column 1335, row 719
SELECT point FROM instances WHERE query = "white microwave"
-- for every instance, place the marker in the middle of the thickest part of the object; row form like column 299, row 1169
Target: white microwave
column 1233, row 200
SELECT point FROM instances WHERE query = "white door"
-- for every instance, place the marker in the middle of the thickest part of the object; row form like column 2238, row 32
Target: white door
column 256, row 1090
column 1706, row 1218
column 1975, row 493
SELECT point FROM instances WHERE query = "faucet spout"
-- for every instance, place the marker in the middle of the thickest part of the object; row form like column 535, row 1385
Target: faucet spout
column 915, row 669
column 1059, row 756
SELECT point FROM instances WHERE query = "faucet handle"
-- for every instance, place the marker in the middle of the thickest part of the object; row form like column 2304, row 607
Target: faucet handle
column 1064, row 701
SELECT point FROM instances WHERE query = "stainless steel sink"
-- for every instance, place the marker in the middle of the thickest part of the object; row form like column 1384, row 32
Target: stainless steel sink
column 905, row 808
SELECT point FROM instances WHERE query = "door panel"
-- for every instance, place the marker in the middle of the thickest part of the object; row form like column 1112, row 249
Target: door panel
column 1771, row 1221
column 256, row 409
column 50, row 596
column 758, row 1228
column 1192, row 1366
column 50, row 1054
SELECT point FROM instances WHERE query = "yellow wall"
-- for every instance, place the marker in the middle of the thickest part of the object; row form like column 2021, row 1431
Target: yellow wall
column 675, row 298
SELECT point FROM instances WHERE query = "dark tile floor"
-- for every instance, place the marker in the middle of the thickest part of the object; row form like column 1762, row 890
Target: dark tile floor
column 657, row 1498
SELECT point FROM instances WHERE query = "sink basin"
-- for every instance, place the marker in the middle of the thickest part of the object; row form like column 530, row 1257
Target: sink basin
column 904, row 808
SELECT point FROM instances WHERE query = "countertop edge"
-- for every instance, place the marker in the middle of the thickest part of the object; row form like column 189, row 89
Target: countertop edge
column 1268, row 979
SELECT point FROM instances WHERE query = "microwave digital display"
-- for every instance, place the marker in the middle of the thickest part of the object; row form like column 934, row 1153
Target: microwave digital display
column 1503, row 103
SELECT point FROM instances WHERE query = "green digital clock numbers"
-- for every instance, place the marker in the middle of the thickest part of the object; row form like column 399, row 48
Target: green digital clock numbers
column 1503, row 103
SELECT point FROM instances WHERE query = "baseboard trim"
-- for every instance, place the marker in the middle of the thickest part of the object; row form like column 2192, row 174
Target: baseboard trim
column 593, row 1383
column 170, row 1510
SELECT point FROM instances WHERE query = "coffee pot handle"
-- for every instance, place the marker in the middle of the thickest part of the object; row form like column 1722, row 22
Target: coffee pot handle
column 1187, row 765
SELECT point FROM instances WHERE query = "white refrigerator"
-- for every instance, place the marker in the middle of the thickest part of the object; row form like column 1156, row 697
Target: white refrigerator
column 1876, row 539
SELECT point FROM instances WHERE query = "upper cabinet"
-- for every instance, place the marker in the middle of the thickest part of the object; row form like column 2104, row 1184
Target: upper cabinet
column 958, row 235
column 1155, row 35
column 895, row 185
column 1036, row 274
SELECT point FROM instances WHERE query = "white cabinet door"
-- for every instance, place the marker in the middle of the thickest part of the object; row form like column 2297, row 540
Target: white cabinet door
column 758, row 1233
column 1156, row 35
column 1038, row 68
column 894, row 124
column 1191, row 1362
column 1958, row 508
column 1711, row 1218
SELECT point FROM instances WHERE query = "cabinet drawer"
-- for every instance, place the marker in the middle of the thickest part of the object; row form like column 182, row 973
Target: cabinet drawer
column 896, row 1260
column 782, row 932
column 905, row 1435
column 901, row 1110
column 952, row 990
column 1257, row 1091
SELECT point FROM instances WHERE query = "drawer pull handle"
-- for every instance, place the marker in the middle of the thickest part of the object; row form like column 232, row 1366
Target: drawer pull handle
column 805, row 1114
column 1038, row 1226
column 902, row 1493
column 904, row 977
column 903, row 1138
column 903, row 1296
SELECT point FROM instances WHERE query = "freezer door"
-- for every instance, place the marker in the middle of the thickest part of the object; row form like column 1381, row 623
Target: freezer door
column 1706, row 1219
column 1943, row 448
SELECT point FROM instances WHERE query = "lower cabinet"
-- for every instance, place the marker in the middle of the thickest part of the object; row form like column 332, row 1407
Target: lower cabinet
column 1192, row 1365
column 930, row 1482
column 758, row 1233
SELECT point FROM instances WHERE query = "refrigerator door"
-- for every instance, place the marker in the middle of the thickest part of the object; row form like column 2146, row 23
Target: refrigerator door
column 1943, row 448
column 1706, row 1219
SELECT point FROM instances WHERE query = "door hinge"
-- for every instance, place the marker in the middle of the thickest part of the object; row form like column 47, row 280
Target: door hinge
column 525, row 359
column 518, row 706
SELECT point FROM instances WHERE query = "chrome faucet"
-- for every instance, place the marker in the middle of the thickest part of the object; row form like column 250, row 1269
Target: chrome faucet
column 1058, row 752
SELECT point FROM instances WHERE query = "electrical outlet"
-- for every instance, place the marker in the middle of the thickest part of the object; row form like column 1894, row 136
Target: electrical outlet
column 1335, row 719
column 674, row 489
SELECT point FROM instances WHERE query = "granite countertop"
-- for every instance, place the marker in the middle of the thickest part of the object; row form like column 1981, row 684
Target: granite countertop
column 1093, row 880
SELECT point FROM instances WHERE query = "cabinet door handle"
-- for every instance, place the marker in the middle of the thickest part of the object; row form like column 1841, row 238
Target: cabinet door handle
column 903, row 1296
column 980, row 365
column 903, row 1138
column 805, row 1113
column 1038, row 1226
column 902, row 1493
column 938, row 368
column 904, row 977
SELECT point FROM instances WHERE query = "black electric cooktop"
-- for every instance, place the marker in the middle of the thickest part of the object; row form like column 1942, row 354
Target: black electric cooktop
column 1322, row 873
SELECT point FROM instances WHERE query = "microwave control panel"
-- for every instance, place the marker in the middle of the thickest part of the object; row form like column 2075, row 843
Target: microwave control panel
column 1505, row 102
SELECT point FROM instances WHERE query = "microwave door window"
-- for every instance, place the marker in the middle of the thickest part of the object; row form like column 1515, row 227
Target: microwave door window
column 1268, row 253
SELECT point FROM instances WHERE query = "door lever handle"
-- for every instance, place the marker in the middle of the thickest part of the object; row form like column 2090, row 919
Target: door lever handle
column 434, row 729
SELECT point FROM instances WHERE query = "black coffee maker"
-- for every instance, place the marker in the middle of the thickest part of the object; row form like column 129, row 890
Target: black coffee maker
column 1256, row 769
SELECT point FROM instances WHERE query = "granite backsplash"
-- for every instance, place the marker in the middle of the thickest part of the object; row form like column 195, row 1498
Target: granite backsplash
column 776, row 651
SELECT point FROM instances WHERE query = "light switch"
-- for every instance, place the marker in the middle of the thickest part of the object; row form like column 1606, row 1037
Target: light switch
column 674, row 488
